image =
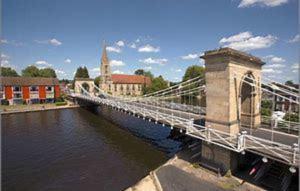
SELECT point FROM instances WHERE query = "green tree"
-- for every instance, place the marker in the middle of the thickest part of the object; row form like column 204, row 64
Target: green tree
column 144, row 73
column 31, row 71
column 157, row 84
column 289, row 83
column 82, row 72
column 193, row 72
column 47, row 73
column 8, row 72
column 97, row 80
column 139, row 72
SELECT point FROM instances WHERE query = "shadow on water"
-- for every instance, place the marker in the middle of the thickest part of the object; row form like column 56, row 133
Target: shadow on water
column 156, row 134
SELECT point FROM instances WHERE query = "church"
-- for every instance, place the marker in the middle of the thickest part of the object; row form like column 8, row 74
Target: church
column 120, row 84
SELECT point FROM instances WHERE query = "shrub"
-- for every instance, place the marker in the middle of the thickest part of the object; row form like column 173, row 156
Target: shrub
column 266, row 112
column 4, row 102
column 60, row 99
column 294, row 117
column 61, row 103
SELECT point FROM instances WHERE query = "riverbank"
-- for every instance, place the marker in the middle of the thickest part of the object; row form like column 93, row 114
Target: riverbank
column 178, row 174
column 11, row 109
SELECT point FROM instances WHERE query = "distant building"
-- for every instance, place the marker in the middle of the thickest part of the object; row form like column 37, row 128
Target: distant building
column 285, row 105
column 282, row 104
column 18, row 90
column 120, row 84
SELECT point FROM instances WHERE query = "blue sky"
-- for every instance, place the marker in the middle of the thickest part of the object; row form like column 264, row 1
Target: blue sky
column 164, row 37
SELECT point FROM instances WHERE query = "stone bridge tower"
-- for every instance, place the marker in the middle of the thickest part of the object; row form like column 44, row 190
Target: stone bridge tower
column 231, row 101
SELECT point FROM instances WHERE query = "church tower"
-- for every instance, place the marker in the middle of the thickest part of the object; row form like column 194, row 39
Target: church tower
column 105, row 68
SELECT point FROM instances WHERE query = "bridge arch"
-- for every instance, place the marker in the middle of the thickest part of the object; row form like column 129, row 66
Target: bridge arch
column 247, row 96
column 86, row 83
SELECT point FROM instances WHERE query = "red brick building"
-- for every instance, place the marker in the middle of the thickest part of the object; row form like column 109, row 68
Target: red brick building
column 18, row 90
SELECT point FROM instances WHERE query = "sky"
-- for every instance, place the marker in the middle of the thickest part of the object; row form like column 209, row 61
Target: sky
column 164, row 37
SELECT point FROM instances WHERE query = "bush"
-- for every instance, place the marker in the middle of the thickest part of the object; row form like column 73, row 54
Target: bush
column 24, row 102
column 266, row 104
column 4, row 102
column 266, row 112
column 294, row 117
column 61, row 103
column 60, row 99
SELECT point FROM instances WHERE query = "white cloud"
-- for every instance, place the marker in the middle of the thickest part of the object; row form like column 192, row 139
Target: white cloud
column 148, row 48
column 3, row 41
column 117, row 72
column 271, row 70
column 267, row 3
column 67, row 60
column 96, row 69
column 113, row 49
column 116, row 63
column 274, row 61
column 295, row 39
column 4, row 57
column 53, row 42
column 154, row 61
column 295, row 68
column 148, row 68
column 43, row 62
column 246, row 41
column 190, row 57
column 133, row 45
column 178, row 70
column 120, row 43
column 57, row 71
column 5, row 60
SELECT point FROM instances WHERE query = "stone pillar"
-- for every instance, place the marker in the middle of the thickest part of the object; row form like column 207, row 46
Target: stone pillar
column 225, row 70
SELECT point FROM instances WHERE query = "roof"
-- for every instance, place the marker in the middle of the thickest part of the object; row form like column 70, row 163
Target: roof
column 232, row 53
column 130, row 79
column 27, row 81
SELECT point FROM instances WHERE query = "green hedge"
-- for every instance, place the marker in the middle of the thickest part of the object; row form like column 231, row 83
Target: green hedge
column 4, row 102
column 61, row 103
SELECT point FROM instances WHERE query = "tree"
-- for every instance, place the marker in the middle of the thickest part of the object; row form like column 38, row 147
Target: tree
column 157, row 84
column 97, row 80
column 193, row 72
column 139, row 72
column 82, row 72
column 8, row 72
column 289, row 83
column 144, row 73
column 47, row 73
column 31, row 71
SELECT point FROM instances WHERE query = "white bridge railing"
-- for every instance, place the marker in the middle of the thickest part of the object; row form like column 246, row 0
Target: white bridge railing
column 238, row 143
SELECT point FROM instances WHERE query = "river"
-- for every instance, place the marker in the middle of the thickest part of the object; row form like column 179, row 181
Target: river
column 77, row 149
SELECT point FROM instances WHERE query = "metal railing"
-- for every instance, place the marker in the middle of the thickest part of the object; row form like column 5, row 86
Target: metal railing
column 238, row 143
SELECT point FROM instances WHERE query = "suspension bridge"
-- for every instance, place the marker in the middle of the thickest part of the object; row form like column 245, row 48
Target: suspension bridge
column 231, row 119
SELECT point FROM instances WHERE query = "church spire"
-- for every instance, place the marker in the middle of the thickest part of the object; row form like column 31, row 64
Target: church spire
column 104, row 58
column 105, row 67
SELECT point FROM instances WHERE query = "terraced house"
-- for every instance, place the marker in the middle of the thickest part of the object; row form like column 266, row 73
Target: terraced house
column 20, row 90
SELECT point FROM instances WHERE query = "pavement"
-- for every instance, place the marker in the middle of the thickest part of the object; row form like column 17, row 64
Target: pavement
column 172, row 178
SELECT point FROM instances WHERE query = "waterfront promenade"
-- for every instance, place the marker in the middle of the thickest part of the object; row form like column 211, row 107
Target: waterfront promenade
column 34, row 108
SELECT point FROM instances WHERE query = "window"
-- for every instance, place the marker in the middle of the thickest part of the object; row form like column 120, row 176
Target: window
column 109, row 87
column 49, row 88
column 121, row 87
column 127, row 87
column 16, row 88
column 115, row 87
column 1, row 92
column 133, row 87
column 34, row 88
column 139, row 87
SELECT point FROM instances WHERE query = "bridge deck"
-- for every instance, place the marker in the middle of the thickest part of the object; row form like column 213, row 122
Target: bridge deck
column 258, row 141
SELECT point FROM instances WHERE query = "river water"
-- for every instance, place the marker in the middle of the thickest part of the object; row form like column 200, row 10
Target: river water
column 77, row 149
